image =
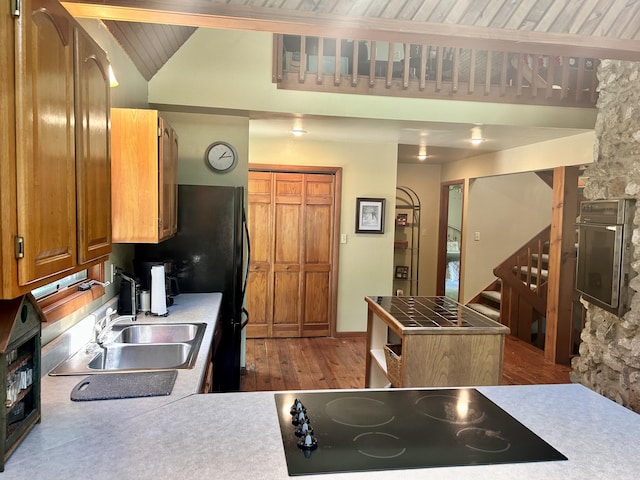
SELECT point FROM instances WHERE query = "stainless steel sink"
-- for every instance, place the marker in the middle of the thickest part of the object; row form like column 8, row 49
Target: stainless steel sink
column 138, row 347
column 127, row 356
column 158, row 332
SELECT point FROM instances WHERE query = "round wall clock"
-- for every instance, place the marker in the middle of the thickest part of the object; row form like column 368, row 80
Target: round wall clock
column 221, row 157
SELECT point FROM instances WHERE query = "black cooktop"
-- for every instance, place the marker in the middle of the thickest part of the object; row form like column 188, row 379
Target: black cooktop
column 340, row 431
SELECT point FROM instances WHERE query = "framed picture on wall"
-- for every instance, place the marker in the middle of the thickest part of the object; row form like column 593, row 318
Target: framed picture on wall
column 370, row 215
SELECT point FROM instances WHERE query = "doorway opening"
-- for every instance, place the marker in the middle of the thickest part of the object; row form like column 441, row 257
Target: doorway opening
column 450, row 239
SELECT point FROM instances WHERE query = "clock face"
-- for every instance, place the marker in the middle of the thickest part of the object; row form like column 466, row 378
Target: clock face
column 221, row 157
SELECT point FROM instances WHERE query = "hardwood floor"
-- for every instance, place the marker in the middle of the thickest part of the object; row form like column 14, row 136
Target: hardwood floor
column 323, row 363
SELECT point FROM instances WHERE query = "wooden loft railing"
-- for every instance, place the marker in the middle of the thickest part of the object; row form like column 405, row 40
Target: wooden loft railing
column 430, row 71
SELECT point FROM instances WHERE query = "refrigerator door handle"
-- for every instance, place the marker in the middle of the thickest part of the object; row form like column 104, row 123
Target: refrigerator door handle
column 244, row 323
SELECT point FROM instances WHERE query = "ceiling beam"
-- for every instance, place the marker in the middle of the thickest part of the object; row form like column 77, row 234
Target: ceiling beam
column 208, row 14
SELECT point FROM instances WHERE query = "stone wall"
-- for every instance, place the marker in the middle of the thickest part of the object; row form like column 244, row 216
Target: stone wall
column 609, row 360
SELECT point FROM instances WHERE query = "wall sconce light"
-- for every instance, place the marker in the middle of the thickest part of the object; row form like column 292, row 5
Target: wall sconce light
column 297, row 132
column 113, row 82
column 476, row 136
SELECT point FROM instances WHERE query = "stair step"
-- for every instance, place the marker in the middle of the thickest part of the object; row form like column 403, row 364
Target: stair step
column 544, row 274
column 545, row 257
column 492, row 296
column 486, row 310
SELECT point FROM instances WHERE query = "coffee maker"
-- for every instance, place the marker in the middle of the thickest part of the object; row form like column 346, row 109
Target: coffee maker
column 128, row 296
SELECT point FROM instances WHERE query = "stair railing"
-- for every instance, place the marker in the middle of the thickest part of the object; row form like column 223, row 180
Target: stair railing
column 524, row 274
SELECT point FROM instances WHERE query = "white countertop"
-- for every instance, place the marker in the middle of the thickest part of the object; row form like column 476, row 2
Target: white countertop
column 237, row 436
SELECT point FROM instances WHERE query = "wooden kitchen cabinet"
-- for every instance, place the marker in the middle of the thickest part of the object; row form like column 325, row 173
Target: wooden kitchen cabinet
column 54, row 156
column 144, row 160
column 20, row 321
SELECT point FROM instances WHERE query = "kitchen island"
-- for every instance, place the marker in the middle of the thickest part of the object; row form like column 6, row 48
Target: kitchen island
column 436, row 342
column 236, row 436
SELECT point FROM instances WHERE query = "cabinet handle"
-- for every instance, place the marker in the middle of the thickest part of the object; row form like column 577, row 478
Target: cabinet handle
column 19, row 246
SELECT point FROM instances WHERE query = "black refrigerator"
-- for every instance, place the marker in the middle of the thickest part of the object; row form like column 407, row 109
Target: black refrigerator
column 210, row 253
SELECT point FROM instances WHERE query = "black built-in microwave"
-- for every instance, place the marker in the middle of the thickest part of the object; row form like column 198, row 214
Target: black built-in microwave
column 605, row 252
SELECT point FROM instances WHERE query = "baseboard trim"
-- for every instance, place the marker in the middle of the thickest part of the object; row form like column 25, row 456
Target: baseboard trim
column 350, row 334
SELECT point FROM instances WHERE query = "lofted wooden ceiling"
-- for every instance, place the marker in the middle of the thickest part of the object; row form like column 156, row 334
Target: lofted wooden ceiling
column 150, row 31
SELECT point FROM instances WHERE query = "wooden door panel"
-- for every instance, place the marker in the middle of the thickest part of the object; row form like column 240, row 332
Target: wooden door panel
column 46, row 190
column 286, row 303
column 319, row 189
column 259, row 187
column 93, row 161
column 259, row 224
column 258, row 303
column 318, row 233
column 317, row 301
column 288, row 187
column 287, row 234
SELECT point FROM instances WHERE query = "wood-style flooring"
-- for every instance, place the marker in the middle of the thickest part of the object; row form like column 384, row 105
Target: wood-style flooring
column 323, row 363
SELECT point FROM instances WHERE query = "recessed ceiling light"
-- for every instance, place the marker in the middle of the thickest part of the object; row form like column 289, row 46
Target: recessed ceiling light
column 476, row 136
column 298, row 132
column 422, row 153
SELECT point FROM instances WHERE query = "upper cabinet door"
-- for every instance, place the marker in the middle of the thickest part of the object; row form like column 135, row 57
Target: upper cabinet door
column 46, row 187
column 168, row 162
column 93, row 166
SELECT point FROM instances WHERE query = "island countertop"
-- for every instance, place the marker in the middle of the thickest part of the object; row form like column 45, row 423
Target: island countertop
column 432, row 316
column 237, row 436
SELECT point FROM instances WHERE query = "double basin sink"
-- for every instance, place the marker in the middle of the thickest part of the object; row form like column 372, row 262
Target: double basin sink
column 138, row 347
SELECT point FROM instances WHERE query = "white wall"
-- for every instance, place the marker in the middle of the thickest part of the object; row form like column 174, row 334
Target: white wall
column 196, row 131
column 574, row 150
column 368, row 170
column 424, row 179
column 506, row 211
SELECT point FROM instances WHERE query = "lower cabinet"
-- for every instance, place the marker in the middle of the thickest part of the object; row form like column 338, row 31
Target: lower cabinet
column 20, row 321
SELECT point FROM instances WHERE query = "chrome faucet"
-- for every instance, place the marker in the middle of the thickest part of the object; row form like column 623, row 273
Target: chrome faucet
column 103, row 326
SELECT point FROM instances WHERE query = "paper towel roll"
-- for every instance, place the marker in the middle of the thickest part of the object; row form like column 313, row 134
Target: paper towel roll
column 158, row 291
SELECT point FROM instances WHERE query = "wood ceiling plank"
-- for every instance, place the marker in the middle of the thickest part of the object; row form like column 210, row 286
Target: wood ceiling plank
column 376, row 7
column 409, row 10
column 167, row 46
column 458, row 9
column 592, row 24
column 393, row 9
column 627, row 17
column 214, row 15
column 614, row 15
column 117, row 29
column 321, row 6
column 632, row 27
column 441, row 11
column 556, row 9
column 582, row 15
column 475, row 12
column 519, row 19
column 489, row 13
column 425, row 10
column 539, row 10
column 504, row 14
column 140, row 39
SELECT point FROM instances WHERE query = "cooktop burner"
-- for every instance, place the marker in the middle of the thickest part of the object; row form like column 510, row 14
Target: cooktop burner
column 336, row 431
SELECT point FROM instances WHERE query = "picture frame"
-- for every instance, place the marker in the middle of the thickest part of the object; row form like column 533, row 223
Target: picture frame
column 402, row 272
column 402, row 219
column 370, row 215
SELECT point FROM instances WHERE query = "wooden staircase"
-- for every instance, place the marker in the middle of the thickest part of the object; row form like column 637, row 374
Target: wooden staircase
column 518, row 297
